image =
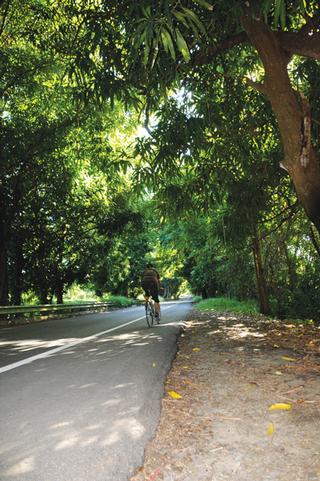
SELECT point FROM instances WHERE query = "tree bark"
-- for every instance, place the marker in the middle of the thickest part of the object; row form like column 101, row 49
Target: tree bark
column 260, row 276
column 59, row 292
column 293, row 115
column 44, row 295
column 292, row 273
column 314, row 241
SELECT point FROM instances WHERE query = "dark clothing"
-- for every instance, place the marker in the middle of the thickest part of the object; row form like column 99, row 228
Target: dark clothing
column 150, row 283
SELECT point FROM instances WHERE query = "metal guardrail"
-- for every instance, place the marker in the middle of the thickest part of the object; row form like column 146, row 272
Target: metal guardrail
column 8, row 313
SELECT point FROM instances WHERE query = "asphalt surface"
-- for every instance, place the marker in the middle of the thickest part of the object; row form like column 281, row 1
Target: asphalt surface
column 80, row 397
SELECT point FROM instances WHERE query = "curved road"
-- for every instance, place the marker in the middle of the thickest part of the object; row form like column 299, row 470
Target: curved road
column 80, row 397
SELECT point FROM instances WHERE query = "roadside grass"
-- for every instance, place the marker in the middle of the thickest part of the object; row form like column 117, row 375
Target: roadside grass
column 228, row 305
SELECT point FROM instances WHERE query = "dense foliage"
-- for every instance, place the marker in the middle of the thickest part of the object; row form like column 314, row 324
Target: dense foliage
column 88, row 196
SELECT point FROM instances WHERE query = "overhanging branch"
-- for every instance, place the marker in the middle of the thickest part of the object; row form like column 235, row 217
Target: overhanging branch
column 299, row 43
column 202, row 58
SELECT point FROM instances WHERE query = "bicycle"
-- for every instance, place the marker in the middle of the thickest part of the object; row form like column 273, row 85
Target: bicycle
column 150, row 312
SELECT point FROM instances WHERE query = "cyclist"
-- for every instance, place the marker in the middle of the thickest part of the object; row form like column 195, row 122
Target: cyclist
column 151, row 284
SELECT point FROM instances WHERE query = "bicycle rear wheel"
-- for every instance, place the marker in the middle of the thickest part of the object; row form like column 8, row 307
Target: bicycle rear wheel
column 158, row 317
column 149, row 314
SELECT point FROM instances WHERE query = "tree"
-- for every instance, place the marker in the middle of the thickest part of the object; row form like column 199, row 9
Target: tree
column 147, row 47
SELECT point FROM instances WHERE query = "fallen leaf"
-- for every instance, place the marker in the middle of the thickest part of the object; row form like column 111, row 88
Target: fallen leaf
column 154, row 364
column 279, row 373
column 283, row 406
column 174, row 395
column 271, row 429
column 196, row 349
column 286, row 358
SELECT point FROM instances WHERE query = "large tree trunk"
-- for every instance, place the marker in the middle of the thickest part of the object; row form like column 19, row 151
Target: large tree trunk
column 59, row 291
column 43, row 294
column 293, row 115
column 260, row 276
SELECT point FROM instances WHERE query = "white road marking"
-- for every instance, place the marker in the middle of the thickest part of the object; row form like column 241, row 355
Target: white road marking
column 43, row 355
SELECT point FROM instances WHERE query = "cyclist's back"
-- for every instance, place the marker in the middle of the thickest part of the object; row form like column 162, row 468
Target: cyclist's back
column 150, row 276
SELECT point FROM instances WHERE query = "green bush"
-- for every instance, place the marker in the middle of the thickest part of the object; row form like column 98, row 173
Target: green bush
column 196, row 299
column 77, row 294
column 229, row 305
column 119, row 301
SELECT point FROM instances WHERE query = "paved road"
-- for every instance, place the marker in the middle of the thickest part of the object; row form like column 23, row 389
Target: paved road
column 79, row 398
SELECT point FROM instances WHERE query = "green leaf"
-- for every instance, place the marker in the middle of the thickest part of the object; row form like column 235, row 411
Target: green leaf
column 182, row 46
column 279, row 13
column 204, row 4
column 167, row 43
column 147, row 11
column 181, row 17
column 195, row 19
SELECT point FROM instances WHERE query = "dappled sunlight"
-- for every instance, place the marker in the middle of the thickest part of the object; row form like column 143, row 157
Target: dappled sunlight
column 112, row 439
column 98, row 409
column 89, row 441
column 62, row 424
column 111, row 402
column 130, row 428
column 227, row 318
column 114, row 429
column 67, row 443
column 235, row 331
column 24, row 466
column 241, row 332
column 26, row 345
column 99, row 348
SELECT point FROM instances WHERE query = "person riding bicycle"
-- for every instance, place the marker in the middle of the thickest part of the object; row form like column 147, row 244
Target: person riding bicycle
column 151, row 284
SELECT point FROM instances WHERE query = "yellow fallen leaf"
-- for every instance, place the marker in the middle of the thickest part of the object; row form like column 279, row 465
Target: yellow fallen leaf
column 279, row 373
column 271, row 429
column 174, row 395
column 286, row 358
column 185, row 367
column 196, row 349
column 283, row 406
column 154, row 364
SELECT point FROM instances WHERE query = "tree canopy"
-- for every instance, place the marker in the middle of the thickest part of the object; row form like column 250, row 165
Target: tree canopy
column 186, row 132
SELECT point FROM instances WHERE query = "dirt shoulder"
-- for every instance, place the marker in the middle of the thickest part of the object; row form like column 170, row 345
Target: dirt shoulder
column 229, row 370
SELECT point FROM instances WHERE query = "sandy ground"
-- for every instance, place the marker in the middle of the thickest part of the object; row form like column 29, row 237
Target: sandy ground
column 228, row 371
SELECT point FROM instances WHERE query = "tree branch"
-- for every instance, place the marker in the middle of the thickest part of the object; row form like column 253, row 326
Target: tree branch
column 314, row 240
column 255, row 85
column 202, row 58
column 300, row 43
